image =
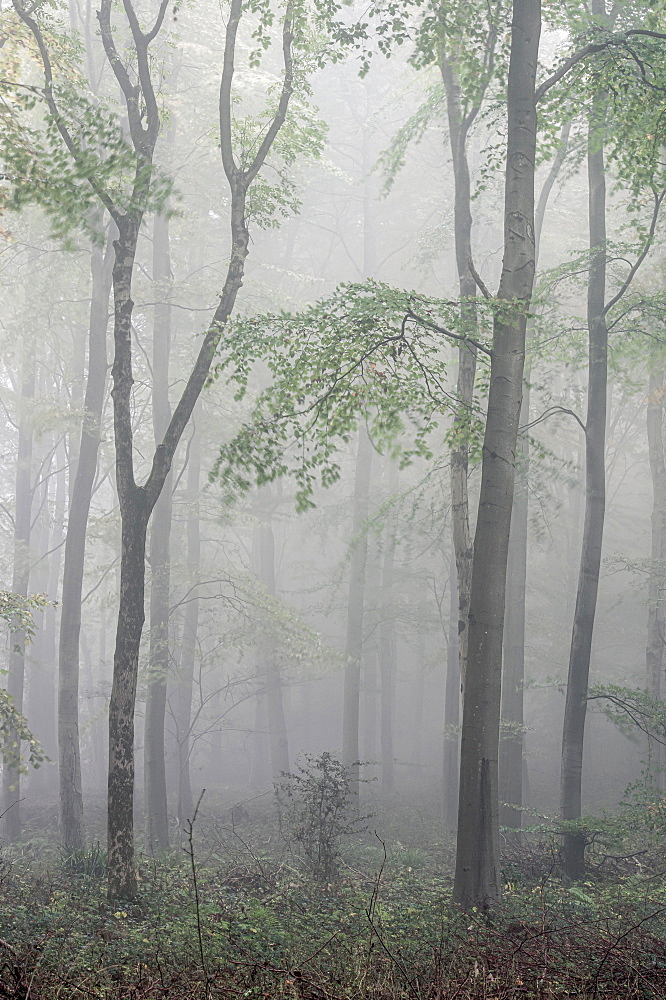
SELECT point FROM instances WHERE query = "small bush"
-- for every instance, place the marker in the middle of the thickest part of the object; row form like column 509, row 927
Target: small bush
column 316, row 811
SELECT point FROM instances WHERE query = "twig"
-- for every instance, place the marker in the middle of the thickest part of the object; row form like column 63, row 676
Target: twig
column 189, row 850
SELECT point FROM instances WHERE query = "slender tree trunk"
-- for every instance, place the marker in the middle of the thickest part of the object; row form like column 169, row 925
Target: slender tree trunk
column 462, row 538
column 277, row 725
column 573, row 845
column 42, row 706
column 190, row 629
column 511, row 748
column 370, row 692
column 387, row 658
column 69, row 749
column 155, row 798
column 477, row 877
column 11, row 774
column 136, row 502
column 654, row 653
column 355, row 607
column 452, row 711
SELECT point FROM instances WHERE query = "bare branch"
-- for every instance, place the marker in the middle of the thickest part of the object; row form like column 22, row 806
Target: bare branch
column 449, row 333
column 551, row 411
column 658, row 199
column 478, row 279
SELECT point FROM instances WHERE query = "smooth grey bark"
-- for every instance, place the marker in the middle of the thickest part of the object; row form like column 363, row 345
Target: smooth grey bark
column 69, row 749
column 573, row 843
column 355, row 609
column 459, row 126
column 273, row 687
column 387, row 658
column 260, row 753
column 511, row 764
column 154, row 768
column 371, row 690
column 11, row 774
column 451, row 768
column 656, row 624
column 42, row 704
column 477, row 875
column 188, row 651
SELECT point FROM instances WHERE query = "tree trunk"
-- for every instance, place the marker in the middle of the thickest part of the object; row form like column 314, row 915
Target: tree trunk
column 511, row 767
column 654, row 653
column 513, row 673
column 277, row 725
column 462, row 538
column 190, row 628
column 573, row 845
column 155, row 798
column 387, row 657
column 477, row 877
column 69, row 749
column 355, row 607
column 137, row 502
column 42, row 705
column 11, row 774
column 452, row 711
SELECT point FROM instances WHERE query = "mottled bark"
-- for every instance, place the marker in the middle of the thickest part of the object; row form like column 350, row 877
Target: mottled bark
column 477, row 876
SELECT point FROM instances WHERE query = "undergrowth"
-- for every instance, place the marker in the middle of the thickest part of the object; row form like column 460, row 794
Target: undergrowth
column 259, row 925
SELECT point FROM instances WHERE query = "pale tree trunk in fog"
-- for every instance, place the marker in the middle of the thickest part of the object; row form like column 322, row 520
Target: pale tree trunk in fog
column 11, row 775
column 188, row 650
column 451, row 770
column 511, row 765
column 459, row 125
column 42, row 708
column 387, row 657
column 69, row 750
column 370, row 692
column 654, row 653
column 573, row 844
column 355, row 608
column 260, row 752
column 277, row 726
column 477, row 876
column 155, row 803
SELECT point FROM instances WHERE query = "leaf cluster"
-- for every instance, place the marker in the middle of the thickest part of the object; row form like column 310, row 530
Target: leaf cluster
column 367, row 353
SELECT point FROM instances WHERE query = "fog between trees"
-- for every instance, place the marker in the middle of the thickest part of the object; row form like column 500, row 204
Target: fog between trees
column 293, row 331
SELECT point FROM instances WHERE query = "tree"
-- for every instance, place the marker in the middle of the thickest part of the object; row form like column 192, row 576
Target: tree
column 137, row 501
column 477, row 878
column 643, row 173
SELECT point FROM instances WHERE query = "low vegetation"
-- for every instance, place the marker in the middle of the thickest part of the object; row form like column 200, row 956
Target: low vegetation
column 242, row 910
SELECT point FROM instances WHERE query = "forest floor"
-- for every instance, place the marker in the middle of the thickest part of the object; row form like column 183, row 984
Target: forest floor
column 383, row 927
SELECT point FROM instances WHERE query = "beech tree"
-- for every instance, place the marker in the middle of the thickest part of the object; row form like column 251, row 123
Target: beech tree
column 147, row 190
